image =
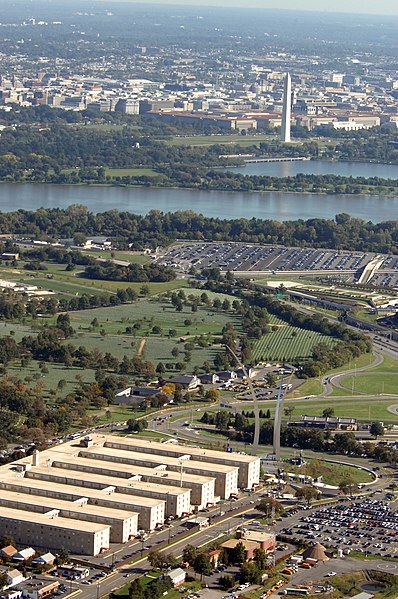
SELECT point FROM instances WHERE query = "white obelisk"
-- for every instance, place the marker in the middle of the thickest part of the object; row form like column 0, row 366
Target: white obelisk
column 287, row 109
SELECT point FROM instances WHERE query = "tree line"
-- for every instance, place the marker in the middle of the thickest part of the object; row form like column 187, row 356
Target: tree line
column 160, row 229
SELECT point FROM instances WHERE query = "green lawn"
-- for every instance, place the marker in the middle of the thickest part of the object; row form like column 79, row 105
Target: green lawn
column 210, row 140
column 50, row 380
column 371, row 409
column 132, row 257
column 155, row 313
column 363, row 409
column 309, row 387
column 334, row 473
column 131, row 172
column 372, row 383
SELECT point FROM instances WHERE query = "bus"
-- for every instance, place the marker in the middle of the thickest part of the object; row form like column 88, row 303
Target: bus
column 299, row 592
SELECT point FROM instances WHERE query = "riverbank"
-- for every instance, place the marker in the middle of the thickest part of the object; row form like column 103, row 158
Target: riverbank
column 348, row 190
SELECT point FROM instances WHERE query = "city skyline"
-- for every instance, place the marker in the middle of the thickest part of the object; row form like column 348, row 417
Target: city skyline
column 384, row 7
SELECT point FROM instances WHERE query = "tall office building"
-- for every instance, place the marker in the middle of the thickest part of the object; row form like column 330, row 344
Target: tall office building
column 287, row 109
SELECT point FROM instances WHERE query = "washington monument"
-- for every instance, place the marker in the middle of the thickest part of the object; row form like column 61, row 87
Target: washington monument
column 287, row 109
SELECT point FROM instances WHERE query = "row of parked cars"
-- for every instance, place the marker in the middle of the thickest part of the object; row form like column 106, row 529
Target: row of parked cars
column 366, row 526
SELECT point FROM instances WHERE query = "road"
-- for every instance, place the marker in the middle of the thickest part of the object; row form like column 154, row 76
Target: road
column 225, row 525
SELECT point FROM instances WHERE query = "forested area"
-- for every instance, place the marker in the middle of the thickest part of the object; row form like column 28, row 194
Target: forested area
column 146, row 273
column 160, row 229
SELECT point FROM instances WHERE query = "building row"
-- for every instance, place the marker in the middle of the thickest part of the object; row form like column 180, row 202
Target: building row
column 88, row 493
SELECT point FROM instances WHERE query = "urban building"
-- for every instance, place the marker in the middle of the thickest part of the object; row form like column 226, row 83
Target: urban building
column 249, row 466
column 178, row 499
column 226, row 476
column 202, row 487
column 49, row 532
column 150, row 511
column 124, row 525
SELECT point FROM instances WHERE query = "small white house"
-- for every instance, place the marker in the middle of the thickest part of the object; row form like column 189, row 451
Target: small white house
column 14, row 577
column 177, row 576
column 44, row 560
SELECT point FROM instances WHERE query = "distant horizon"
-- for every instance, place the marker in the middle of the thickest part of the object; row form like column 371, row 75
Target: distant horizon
column 382, row 8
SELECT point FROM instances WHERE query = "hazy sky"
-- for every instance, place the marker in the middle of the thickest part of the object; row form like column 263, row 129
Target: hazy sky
column 353, row 6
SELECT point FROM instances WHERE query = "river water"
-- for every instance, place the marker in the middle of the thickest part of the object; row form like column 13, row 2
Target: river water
column 319, row 167
column 225, row 205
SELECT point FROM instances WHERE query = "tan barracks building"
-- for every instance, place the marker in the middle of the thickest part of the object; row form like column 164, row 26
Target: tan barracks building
column 85, row 494
column 249, row 466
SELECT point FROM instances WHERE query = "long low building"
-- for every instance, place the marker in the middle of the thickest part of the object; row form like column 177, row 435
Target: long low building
column 178, row 499
column 123, row 524
column 249, row 466
column 226, row 476
column 150, row 511
column 49, row 532
column 202, row 487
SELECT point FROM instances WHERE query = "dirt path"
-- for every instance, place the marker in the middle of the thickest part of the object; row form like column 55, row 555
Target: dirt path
column 141, row 347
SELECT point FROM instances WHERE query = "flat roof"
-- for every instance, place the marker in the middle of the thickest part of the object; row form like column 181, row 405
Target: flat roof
column 133, row 500
column 61, row 504
column 105, row 480
column 183, row 449
column 132, row 469
column 125, row 455
column 67, row 523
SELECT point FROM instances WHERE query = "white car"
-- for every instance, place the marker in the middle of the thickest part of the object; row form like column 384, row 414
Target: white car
column 331, row 574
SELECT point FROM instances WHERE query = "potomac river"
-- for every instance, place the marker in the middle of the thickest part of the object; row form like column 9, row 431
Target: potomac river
column 267, row 205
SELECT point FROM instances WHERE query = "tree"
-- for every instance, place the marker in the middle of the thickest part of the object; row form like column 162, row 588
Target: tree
column 260, row 558
column 348, row 486
column 226, row 582
column 136, row 590
column 328, row 412
column 189, row 554
column 155, row 558
column 376, row 429
column 222, row 421
column 202, row 565
column 213, row 394
column 135, row 425
column 267, row 504
column 239, row 553
column 62, row 556
column 6, row 541
column 308, row 494
column 288, row 411
column 270, row 379
column 3, row 580
column 250, row 572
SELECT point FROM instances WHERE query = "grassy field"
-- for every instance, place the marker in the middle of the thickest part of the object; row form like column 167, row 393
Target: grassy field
column 288, row 343
column 150, row 313
column 155, row 313
column 372, row 383
column 309, row 387
column 211, row 140
column 334, row 473
column 74, row 283
column 31, row 374
column 130, row 172
column 363, row 409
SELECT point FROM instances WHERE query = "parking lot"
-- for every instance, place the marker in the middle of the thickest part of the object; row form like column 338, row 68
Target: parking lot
column 369, row 526
column 239, row 257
